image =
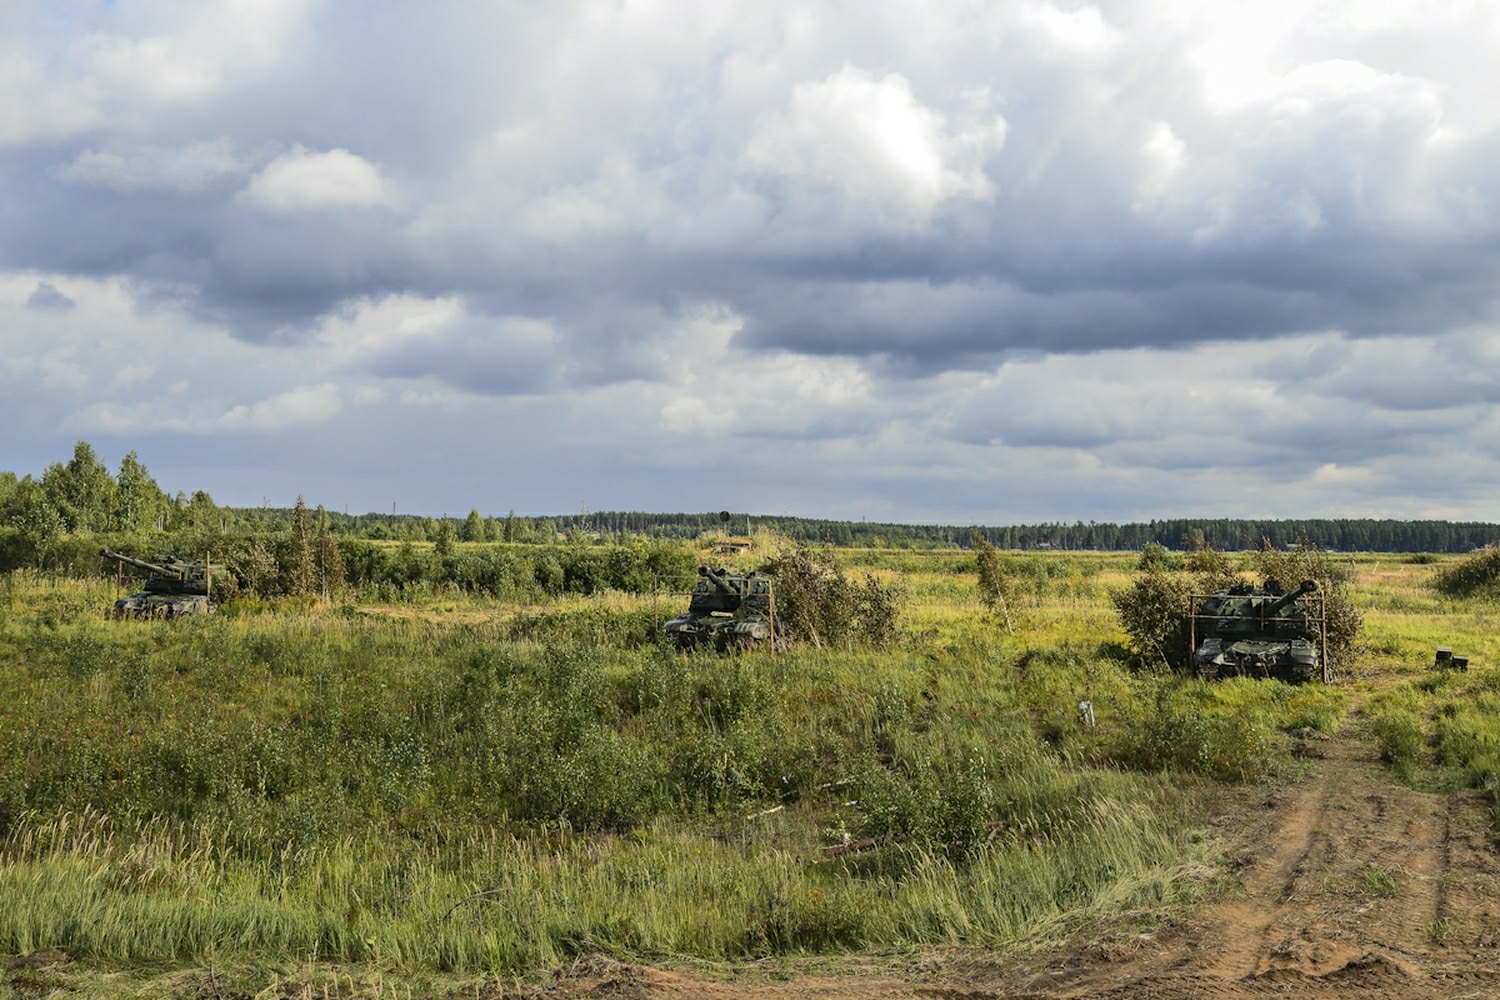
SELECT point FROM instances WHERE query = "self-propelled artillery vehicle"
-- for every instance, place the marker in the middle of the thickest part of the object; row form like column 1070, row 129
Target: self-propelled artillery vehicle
column 727, row 611
column 1249, row 631
column 173, row 587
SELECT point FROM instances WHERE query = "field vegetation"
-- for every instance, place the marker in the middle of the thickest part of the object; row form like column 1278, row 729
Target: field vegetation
column 481, row 787
column 428, row 774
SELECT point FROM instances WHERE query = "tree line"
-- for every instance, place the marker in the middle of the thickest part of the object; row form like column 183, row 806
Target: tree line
column 50, row 520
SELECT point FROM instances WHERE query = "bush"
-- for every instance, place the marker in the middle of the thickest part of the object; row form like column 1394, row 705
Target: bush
column 1177, row 733
column 1153, row 610
column 1154, row 556
column 591, row 625
column 997, row 584
column 1153, row 613
column 817, row 603
column 1477, row 575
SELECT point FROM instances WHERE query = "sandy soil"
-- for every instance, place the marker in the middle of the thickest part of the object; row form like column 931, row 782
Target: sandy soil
column 1348, row 886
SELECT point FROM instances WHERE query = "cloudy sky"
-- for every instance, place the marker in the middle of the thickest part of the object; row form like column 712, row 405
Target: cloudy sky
column 960, row 261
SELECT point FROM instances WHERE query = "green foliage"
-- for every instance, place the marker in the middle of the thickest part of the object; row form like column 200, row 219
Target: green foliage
column 257, row 569
column 997, row 583
column 1211, row 567
column 445, row 544
column 1154, row 556
column 139, row 502
column 504, row 570
column 1283, row 571
column 1478, row 575
column 503, row 795
column 1379, row 882
column 1401, row 739
column 82, row 492
column 1153, row 613
column 299, row 570
column 1179, row 731
column 35, row 523
column 817, row 603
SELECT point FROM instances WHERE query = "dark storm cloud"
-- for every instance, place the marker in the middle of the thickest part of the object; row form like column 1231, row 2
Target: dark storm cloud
column 46, row 298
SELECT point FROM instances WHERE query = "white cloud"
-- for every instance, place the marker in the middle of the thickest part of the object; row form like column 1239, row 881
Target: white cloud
column 873, row 142
column 131, row 67
column 302, row 180
column 300, row 407
column 1163, row 157
column 186, row 168
column 367, row 327
column 791, row 250
column 1082, row 29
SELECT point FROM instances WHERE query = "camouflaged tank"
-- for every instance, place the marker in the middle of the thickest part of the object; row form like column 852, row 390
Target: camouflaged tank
column 727, row 611
column 1249, row 631
column 173, row 587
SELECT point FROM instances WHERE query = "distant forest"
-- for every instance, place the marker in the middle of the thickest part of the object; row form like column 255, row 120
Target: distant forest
column 1341, row 534
column 81, row 498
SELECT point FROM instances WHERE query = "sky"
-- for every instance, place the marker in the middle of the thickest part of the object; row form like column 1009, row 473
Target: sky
column 951, row 261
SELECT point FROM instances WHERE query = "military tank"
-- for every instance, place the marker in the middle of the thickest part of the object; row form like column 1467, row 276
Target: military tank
column 173, row 587
column 726, row 611
column 1249, row 631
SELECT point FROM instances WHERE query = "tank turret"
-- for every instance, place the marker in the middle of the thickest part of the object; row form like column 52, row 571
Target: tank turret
column 727, row 610
column 173, row 586
column 1279, row 605
column 1248, row 630
column 717, row 579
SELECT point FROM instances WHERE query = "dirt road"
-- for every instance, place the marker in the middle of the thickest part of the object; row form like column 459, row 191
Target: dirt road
column 1350, row 885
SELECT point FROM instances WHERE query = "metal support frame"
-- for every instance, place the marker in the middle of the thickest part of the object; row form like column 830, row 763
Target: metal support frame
column 1321, row 620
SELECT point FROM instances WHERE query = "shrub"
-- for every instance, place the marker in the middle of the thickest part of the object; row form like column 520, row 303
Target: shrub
column 997, row 584
column 1154, row 556
column 817, row 603
column 1153, row 610
column 1153, row 613
column 1476, row 575
column 1176, row 733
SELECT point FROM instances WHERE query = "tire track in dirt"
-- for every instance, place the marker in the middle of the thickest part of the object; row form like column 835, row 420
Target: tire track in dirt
column 1247, row 925
column 1351, row 885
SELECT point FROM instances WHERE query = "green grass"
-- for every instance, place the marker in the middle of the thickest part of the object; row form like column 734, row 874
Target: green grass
column 1379, row 882
column 457, row 784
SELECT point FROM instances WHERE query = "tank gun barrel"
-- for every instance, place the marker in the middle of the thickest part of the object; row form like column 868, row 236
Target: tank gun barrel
column 1285, row 601
column 716, row 579
column 140, row 563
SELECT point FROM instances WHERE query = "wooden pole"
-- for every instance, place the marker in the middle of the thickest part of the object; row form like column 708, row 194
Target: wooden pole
column 771, row 615
column 1193, row 633
column 1323, row 636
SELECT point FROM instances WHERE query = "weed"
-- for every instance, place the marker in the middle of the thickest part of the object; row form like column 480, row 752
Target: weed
column 1401, row 739
column 1379, row 882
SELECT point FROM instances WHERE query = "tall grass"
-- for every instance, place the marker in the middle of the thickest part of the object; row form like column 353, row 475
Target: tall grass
column 502, row 788
column 183, row 893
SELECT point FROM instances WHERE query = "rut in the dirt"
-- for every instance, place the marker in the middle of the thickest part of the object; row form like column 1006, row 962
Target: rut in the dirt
column 1351, row 885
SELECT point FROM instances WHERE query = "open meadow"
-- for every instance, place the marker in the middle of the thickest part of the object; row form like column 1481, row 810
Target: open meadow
column 455, row 789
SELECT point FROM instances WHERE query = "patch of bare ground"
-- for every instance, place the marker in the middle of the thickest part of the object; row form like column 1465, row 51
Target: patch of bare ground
column 1348, row 885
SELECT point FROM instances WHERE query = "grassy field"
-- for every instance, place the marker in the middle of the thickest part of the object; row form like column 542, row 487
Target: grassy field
column 463, row 787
